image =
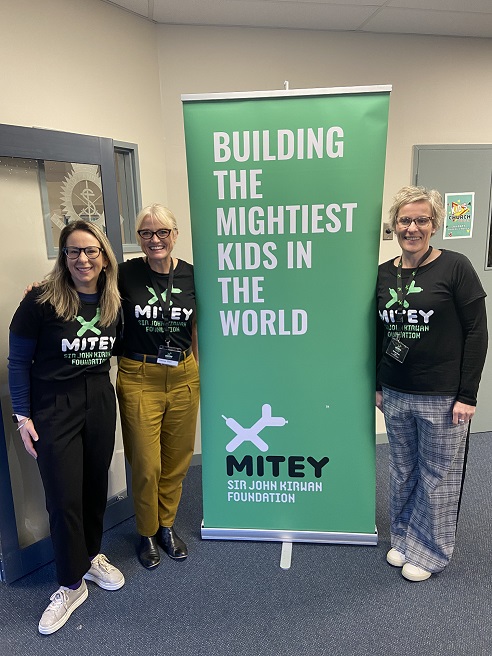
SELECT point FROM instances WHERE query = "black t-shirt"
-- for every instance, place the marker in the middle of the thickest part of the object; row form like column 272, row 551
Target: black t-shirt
column 64, row 349
column 142, row 306
column 446, row 345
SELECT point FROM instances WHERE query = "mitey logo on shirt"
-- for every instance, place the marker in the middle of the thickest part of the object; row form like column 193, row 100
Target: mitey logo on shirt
column 153, row 299
column 153, row 311
column 412, row 289
column 411, row 316
column 85, row 342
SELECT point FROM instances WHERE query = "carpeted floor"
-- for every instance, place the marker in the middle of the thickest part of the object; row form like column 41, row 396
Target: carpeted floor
column 232, row 598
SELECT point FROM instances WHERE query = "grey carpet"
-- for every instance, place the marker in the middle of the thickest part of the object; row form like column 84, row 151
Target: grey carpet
column 233, row 598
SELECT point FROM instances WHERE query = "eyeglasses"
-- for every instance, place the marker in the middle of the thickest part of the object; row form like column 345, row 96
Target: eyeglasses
column 162, row 233
column 420, row 221
column 73, row 252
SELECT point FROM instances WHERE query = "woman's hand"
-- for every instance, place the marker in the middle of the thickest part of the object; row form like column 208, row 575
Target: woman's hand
column 379, row 401
column 30, row 287
column 28, row 435
column 462, row 413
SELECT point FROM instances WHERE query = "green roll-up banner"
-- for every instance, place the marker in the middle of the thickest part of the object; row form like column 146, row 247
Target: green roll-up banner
column 285, row 193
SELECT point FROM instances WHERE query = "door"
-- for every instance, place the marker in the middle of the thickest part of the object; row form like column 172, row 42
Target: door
column 460, row 169
column 47, row 178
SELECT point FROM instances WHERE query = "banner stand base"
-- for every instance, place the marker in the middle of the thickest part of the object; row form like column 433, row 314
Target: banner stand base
column 286, row 555
column 264, row 535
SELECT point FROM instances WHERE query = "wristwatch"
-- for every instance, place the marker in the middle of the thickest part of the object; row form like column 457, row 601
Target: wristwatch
column 17, row 418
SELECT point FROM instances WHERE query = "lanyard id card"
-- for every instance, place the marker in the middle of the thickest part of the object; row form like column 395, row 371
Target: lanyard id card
column 168, row 355
column 397, row 350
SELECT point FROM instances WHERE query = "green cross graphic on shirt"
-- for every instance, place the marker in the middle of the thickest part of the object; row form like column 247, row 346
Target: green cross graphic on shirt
column 413, row 289
column 153, row 299
column 89, row 325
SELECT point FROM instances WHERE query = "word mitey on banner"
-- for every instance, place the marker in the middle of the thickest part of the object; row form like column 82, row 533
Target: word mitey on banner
column 285, row 195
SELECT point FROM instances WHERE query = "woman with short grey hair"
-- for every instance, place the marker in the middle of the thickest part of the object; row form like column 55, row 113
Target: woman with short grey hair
column 432, row 337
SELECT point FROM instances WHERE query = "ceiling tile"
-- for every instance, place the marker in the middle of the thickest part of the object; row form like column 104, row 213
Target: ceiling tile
column 262, row 13
column 443, row 17
column 374, row 4
column 484, row 6
column 415, row 21
column 137, row 6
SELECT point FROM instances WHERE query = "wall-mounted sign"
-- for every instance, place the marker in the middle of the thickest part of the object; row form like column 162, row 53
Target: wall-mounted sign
column 458, row 223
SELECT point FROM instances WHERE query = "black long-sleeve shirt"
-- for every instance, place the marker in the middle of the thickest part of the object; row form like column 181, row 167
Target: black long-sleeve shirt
column 444, row 326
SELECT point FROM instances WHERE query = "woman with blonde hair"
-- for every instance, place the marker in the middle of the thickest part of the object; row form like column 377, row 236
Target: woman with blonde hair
column 433, row 340
column 61, row 340
column 158, row 384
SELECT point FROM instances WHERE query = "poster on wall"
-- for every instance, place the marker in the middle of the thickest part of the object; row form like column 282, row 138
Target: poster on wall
column 458, row 222
column 285, row 193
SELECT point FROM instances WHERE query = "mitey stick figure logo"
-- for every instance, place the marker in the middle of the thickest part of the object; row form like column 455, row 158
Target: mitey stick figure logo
column 409, row 289
column 89, row 325
column 252, row 434
column 154, row 298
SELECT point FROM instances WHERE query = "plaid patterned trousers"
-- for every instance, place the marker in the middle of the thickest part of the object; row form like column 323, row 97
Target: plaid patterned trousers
column 427, row 465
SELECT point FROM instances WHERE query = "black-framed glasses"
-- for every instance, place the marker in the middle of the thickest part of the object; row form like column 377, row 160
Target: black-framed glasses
column 420, row 221
column 73, row 252
column 162, row 233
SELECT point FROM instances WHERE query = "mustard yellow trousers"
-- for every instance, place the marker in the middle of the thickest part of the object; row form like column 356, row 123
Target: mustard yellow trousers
column 158, row 408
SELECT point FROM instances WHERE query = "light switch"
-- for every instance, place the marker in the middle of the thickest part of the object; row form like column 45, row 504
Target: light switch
column 387, row 231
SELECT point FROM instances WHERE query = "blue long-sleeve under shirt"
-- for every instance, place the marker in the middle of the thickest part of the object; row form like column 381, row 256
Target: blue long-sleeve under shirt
column 21, row 354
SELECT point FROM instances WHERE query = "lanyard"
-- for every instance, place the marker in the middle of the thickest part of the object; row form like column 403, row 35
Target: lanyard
column 399, row 282
column 167, row 303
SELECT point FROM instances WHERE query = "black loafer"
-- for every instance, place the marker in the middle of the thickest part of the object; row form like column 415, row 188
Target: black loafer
column 148, row 553
column 172, row 544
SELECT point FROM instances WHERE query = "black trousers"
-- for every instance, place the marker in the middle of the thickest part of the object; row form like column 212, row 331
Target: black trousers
column 76, row 422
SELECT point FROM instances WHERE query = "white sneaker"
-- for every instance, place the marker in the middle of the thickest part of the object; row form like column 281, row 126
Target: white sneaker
column 104, row 574
column 414, row 573
column 63, row 602
column 395, row 558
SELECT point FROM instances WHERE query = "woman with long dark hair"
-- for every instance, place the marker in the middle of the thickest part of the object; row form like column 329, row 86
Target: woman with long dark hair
column 61, row 340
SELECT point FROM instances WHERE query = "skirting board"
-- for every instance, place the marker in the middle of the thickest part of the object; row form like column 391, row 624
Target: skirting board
column 263, row 535
column 381, row 438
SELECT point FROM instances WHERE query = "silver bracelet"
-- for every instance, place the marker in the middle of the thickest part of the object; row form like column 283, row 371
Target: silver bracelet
column 22, row 425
